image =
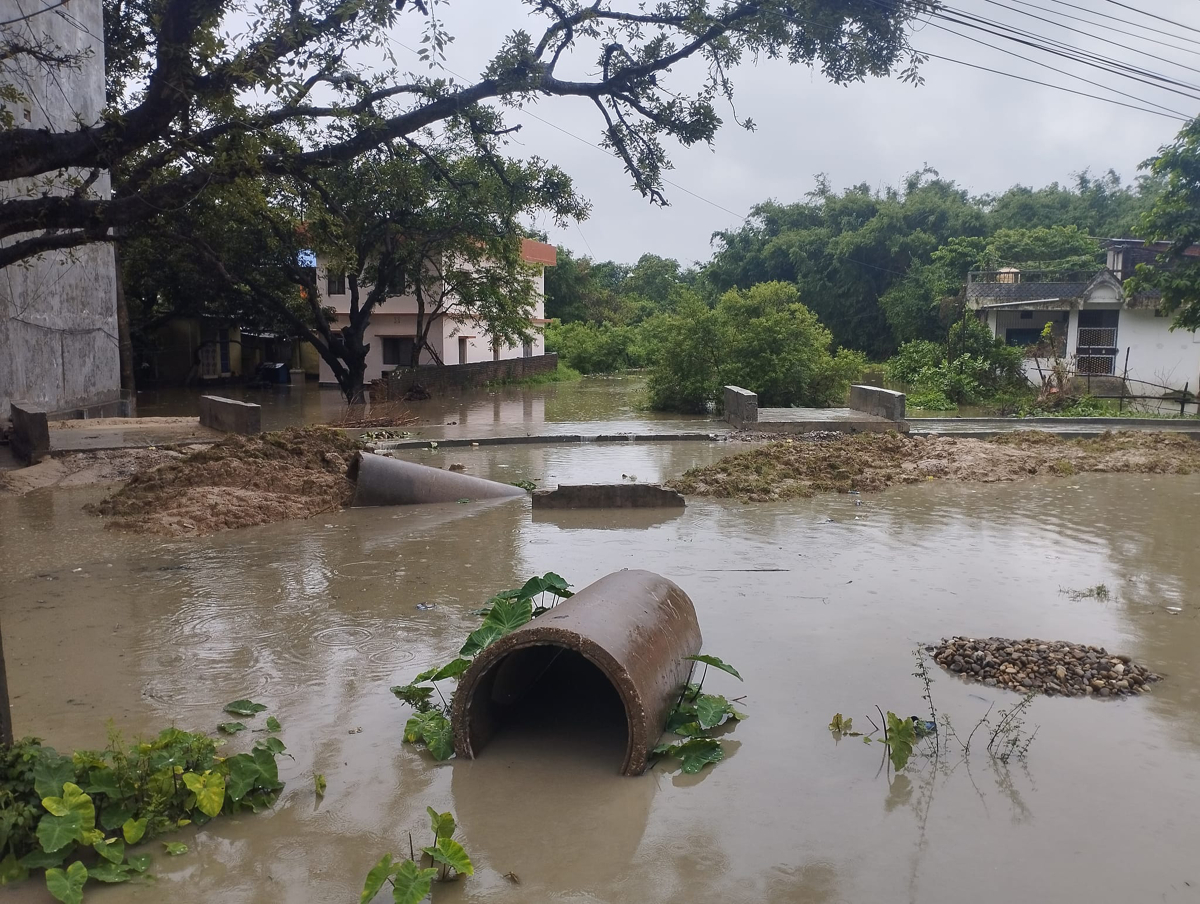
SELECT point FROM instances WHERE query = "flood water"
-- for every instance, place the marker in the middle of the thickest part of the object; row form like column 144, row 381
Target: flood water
column 819, row 603
column 612, row 404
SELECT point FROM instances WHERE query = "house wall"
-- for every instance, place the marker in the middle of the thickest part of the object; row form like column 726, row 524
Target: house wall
column 1156, row 354
column 397, row 316
column 58, row 313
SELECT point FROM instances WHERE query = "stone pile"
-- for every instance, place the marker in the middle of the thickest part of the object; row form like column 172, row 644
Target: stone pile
column 1045, row 666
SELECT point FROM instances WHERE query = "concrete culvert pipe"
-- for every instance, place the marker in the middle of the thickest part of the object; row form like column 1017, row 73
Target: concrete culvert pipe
column 389, row 481
column 635, row 627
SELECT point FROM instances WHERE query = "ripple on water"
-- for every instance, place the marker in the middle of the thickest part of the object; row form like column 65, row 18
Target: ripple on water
column 343, row 636
column 368, row 568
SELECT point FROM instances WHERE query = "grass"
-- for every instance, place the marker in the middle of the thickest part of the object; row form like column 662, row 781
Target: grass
column 561, row 374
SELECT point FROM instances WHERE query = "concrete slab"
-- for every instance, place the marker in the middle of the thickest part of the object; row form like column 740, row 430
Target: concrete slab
column 128, row 433
column 1077, row 427
column 811, row 420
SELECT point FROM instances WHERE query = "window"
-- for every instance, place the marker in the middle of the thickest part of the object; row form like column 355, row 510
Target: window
column 397, row 350
column 527, row 350
column 462, row 349
column 1027, row 315
column 1022, row 338
column 335, row 283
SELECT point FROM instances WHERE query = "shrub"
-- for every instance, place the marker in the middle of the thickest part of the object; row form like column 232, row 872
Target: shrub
column 913, row 359
column 596, row 348
column 763, row 339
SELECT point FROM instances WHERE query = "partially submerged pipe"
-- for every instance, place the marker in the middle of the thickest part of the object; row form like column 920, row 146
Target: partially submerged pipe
column 636, row 627
column 389, row 481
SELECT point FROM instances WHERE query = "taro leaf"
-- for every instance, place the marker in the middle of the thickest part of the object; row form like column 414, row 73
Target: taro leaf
column 532, row 588
column 67, row 886
column 113, row 816
column 839, row 723
column 901, row 736
column 556, row 584
column 442, row 824
column 414, row 728
column 103, row 781
column 113, row 849
column 482, row 638
column 175, row 848
column 273, row 724
column 452, row 669
column 697, row 753
column 274, row 745
column 105, row 871
column 738, row 716
column 244, row 708
column 375, row 878
column 12, row 870
column 51, row 773
column 319, row 784
column 439, row 737
column 133, row 830
column 683, row 714
column 510, row 614
column 425, row 675
column 451, row 853
column 243, row 775
column 411, row 884
column 71, row 817
column 231, row 727
column 139, row 863
column 39, row 859
column 416, row 697
column 716, row 664
column 711, row 710
column 267, row 767
column 209, row 790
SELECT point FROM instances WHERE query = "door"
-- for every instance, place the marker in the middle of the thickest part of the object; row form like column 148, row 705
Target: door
column 462, row 349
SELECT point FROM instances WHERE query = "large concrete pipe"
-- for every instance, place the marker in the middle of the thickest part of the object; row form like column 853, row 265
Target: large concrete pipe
column 390, row 481
column 635, row 627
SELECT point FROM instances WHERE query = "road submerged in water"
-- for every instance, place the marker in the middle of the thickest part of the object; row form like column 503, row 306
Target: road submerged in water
column 819, row 602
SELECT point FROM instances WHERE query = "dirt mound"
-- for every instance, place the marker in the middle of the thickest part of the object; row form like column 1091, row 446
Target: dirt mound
column 238, row 482
column 796, row 467
column 1046, row 666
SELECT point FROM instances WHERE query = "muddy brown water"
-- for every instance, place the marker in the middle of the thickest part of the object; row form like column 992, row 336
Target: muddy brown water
column 819, row 603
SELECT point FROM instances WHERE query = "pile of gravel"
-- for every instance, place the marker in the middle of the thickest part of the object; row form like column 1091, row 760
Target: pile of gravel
column 1047, row 666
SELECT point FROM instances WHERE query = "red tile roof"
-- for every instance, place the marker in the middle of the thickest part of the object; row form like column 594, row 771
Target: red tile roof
column 539, row 252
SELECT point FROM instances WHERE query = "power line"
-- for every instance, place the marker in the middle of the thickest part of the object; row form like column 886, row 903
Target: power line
column 1153, row 16
column 36, row 12
column 1084, row 9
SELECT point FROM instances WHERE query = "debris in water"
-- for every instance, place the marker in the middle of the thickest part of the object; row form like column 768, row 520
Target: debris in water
column 422, row 607
column 1045, row 666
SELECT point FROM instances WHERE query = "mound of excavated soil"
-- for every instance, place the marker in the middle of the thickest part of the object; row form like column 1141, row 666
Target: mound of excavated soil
column 1046, row 666
column 238, row 482
column 798, row 467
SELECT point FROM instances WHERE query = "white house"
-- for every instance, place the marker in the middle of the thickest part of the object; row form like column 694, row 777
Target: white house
column 393, row 326
column 1101, row 328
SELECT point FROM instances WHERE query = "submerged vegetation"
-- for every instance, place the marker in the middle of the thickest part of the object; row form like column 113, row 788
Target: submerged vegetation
column 411, row 882
column 800, row 468
column 79, row 817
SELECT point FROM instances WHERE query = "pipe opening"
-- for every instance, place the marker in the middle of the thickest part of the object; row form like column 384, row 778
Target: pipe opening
column 549, row 698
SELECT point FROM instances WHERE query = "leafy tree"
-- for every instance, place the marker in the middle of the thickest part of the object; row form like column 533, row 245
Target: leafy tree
column 202, row 96
column 1174, row 221
column 762, row 338
column 1098, row 206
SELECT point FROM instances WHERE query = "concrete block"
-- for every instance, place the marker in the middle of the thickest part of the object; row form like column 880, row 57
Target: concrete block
column 31, row 431
column 613, row 495
column 880, row 402
column 229, row 415
column 741, row 406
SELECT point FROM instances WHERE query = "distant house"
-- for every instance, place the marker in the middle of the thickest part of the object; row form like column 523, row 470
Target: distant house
column 1094, row 321
column 393, row 327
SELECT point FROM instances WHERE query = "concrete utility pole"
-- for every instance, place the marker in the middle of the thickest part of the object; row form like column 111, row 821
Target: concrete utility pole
column 6, row 729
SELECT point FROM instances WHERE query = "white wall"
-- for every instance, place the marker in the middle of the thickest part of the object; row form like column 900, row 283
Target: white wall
column 1157, row 354
column 58, row 312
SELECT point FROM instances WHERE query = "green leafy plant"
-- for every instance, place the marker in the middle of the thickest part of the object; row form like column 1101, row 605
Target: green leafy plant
column 410, row 880
column 694, row 718
column 75, row 816
column 504, row 613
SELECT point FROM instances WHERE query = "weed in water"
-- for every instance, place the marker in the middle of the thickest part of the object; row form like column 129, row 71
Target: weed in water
column 411, row 881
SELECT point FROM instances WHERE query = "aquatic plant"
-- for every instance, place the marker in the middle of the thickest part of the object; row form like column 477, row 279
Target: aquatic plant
column 411, row 881
column 503, row 614
column 77, row 816
column 695, row 716
column 903, row 738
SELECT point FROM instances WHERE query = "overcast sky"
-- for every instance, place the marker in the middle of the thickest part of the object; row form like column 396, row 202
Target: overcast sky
column 984, row 131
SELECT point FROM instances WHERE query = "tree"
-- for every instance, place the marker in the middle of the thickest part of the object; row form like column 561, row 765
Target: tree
column 198, row 101
column 762, row 338
column 438, row 223
column 1174, row 221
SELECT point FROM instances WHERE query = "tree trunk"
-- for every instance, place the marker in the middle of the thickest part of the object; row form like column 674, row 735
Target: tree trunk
column 124, row 339
column 6, row 729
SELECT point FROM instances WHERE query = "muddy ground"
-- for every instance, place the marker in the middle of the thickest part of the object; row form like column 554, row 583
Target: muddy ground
column 800, row 467
column 238, row 482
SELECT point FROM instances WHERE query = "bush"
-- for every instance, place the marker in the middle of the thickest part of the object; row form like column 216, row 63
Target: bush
column 913, row 359
column 981, row 368
column 763, row 339
column 596, row 348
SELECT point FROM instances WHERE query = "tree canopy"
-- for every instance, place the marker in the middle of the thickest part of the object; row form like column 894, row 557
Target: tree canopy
column 202, row 93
